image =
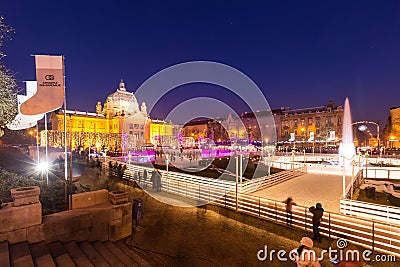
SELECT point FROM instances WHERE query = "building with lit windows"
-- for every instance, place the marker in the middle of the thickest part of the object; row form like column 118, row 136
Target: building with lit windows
column 316, row 124
column 391, row 132
column 119, row 124
column 159, row 132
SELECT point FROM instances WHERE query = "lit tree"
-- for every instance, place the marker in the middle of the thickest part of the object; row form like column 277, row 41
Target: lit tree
column 8, row 85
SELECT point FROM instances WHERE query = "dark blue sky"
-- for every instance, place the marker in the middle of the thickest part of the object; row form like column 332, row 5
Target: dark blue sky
column 300, row 53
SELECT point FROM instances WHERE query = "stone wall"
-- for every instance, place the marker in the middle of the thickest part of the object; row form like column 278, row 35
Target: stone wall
column 93, row 218
column 88, row 199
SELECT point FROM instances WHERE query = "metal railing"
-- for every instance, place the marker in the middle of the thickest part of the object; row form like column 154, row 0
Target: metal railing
column 388, row 214
column 271, row 180
column 382, row 236
column 381, row 173
column 354, row 186
column 374, row 235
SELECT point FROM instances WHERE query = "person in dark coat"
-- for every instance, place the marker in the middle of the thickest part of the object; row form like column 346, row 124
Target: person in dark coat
column 153, row 179
column 158, row 179
column 317, row 212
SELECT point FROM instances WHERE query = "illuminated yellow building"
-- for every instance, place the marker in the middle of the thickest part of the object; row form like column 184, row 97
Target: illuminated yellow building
column 159, row 132
column 391, row 133
column 118, row 125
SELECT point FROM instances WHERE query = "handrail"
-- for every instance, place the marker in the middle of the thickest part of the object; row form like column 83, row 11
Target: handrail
column 374, row 235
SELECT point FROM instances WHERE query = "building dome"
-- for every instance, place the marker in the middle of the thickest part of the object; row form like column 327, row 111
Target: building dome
column 122, row 101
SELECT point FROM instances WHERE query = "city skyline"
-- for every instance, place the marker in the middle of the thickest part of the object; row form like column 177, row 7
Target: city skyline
column 299, row 54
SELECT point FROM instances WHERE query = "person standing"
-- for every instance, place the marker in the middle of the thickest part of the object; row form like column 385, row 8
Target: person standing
column 144, row 178
column 289, row 213
column 159, row 176
column 317, row 212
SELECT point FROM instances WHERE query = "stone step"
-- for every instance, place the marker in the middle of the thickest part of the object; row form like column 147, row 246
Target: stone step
column 60, row 255
column 4, row 254
column 41, row 255
column 135, row 255
column 79, row 258
column 93, row 255
column 107, row 254
column 120, row 254
column 20, row 255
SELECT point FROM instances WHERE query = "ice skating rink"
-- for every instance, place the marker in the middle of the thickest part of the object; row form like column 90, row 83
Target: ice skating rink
column 308, row 189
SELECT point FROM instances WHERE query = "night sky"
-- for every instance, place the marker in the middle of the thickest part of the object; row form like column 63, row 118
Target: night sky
column 300, row 53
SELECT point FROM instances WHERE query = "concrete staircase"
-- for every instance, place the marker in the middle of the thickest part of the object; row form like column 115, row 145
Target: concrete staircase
column 85, row 254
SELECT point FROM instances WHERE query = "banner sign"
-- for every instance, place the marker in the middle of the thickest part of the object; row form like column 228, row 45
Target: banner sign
column 50, row 86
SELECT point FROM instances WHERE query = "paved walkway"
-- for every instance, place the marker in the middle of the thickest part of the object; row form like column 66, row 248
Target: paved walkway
column 308, row 189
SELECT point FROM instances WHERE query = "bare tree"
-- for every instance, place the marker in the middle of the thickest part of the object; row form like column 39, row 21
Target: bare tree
column 8, row 85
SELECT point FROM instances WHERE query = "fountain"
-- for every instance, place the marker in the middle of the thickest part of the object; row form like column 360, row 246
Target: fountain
column 346, row 147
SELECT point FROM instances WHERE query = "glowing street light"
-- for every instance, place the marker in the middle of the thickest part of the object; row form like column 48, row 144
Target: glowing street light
column 42, row 166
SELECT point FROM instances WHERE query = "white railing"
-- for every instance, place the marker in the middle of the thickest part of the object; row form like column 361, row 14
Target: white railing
column 286, row 165
column 271, row 180
column 352, row 187
column 382, row 236
column 388, row 214
column 381, row 173
column 181, row 177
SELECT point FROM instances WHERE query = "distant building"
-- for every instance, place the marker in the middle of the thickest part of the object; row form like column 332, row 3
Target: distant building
column 316, row 124
column 159, row 132
column 119, row 124
column 324, row 123
column 391, row 132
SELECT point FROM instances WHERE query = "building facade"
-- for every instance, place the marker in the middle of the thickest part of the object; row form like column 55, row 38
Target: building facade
column 391, row 132
column 118, row 125
column 316, row 124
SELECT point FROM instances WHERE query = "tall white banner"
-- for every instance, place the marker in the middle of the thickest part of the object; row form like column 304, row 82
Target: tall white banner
column 50, row 82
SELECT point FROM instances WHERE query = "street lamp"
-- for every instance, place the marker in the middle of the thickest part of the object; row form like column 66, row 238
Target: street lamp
column 370, row 122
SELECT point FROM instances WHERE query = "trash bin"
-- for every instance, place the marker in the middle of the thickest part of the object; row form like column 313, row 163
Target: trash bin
column 137, row 209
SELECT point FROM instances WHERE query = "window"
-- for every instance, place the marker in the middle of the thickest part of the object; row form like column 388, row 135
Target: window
column 130, row 126
column 329, row 121
column 309, row 121
column 339, row 120
column 302, row 122
column 317, row 121
column 295, row 123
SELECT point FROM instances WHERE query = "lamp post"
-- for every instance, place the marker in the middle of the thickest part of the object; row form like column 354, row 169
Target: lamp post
column 269, row 163
column 353, row 163
column 344, row 177
column 366, row 164
column 237, row 176
column 292, row 160
column 370, row 122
